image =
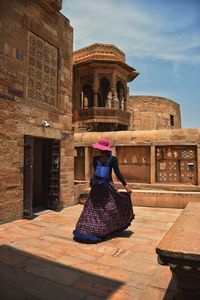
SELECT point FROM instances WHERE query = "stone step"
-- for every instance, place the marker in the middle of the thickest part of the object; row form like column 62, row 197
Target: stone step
column 160, row 198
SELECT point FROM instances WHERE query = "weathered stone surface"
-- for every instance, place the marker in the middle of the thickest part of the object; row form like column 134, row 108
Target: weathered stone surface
column 52, row 265
column 180, row 249
column 21, row 116
column 153, row 112
column 183, row 239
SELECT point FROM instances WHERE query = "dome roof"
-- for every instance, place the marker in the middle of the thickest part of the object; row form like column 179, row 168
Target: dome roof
column 103, row 53
column 98, row 52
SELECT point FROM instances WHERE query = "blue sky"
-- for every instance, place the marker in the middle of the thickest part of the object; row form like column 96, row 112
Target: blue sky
column 160, row 38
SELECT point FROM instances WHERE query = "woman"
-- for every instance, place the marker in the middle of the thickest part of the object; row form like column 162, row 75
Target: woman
column 107, row 211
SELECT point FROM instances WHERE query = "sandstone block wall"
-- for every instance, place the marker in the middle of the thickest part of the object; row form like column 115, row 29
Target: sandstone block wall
column 183, row 138
column 19, row 114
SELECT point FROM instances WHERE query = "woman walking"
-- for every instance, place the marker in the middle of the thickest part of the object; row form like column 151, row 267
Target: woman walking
column 107, row 211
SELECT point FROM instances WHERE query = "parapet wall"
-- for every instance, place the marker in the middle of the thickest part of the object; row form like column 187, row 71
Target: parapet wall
column 147, row 157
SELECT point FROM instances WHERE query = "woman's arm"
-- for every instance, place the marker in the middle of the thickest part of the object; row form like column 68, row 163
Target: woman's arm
column 117, row 171
column 119, row 175
column 94, row 162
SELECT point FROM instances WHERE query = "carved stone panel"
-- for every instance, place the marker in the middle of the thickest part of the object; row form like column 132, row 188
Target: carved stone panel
column 42, row 66
column 176, row 164
column 134, row 163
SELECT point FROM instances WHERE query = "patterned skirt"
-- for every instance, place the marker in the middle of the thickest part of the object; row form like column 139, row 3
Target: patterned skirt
column 107, row 211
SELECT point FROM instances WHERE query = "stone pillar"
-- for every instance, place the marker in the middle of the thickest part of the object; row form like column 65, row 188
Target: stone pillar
column 122, row 104
column 95, row 99
column 116, row 101
column 95, row 88
column 198, row 165
column 87, row 164
column 126, row 100
column 153, row 165
column 125, row 104
column 82, row 101
column 113, row 89
column 109, row 100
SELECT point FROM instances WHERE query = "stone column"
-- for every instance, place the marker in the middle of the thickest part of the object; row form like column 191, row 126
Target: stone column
column 125, row 104
column 113, row 89
column 87, row 164
column 152, row 165
column 95, row 99
column 198, row 165
column 126, row 98
column 95, row 88
column 115, row 101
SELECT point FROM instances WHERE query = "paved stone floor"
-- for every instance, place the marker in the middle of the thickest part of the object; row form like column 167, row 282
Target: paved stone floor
column 40, row 260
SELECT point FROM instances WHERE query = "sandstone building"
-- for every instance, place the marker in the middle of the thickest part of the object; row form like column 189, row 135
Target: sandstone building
column 100, row 91
column 36, row 141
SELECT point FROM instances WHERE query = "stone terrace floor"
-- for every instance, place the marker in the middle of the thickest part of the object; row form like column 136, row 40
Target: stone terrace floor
column 40, row 260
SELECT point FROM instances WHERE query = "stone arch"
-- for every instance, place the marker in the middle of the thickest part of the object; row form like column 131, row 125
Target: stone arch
column 104, row 89
column 87, row 96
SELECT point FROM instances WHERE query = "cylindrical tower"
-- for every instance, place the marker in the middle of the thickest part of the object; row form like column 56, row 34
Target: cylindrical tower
column 153, row 113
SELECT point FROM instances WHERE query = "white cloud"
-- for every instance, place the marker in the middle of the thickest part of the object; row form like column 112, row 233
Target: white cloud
column 136, row 31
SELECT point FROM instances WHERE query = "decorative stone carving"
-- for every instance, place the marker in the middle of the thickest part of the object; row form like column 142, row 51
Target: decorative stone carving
column 42, row 67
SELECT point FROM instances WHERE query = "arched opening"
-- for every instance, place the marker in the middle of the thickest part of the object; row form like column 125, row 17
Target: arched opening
column 87, row 96
column 103, row 91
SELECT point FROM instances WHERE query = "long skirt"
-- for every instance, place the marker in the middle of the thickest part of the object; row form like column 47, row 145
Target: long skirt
column 107, row 211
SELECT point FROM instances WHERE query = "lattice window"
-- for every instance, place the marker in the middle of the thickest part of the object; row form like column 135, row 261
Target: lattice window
column 41, row 71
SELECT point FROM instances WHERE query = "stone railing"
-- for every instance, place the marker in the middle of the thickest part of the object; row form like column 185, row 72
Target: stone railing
column 102, row 114
column 180, row 250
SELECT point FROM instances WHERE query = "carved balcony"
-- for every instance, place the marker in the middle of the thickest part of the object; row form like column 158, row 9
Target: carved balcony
column 102, row 115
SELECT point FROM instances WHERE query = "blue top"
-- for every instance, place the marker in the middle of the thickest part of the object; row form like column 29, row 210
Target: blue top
column 112, row 165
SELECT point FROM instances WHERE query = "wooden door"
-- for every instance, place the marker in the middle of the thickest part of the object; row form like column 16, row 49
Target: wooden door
column 28, row 176
column 48, row 167
column 54, row 176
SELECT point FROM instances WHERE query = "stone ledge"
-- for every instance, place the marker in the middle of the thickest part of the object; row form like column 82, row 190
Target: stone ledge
column 180, row 250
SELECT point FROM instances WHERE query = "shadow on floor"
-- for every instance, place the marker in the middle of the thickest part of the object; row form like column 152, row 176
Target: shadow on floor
column 123, row 234
column 29, row 277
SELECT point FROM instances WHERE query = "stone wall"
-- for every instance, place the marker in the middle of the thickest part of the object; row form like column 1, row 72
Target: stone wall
column 23, row 104
column 152, row 193
column 152, row 112
column 186, row 138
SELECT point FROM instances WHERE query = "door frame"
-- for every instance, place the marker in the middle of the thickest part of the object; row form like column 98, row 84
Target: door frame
column 52, row 197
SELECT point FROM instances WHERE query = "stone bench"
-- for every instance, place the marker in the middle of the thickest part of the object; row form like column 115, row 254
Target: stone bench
column 180, row 250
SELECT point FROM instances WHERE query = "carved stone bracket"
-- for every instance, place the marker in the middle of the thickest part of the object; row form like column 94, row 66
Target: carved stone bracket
column 187, row 280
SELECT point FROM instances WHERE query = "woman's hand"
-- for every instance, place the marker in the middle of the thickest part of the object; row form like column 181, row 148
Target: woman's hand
column 128, row 189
